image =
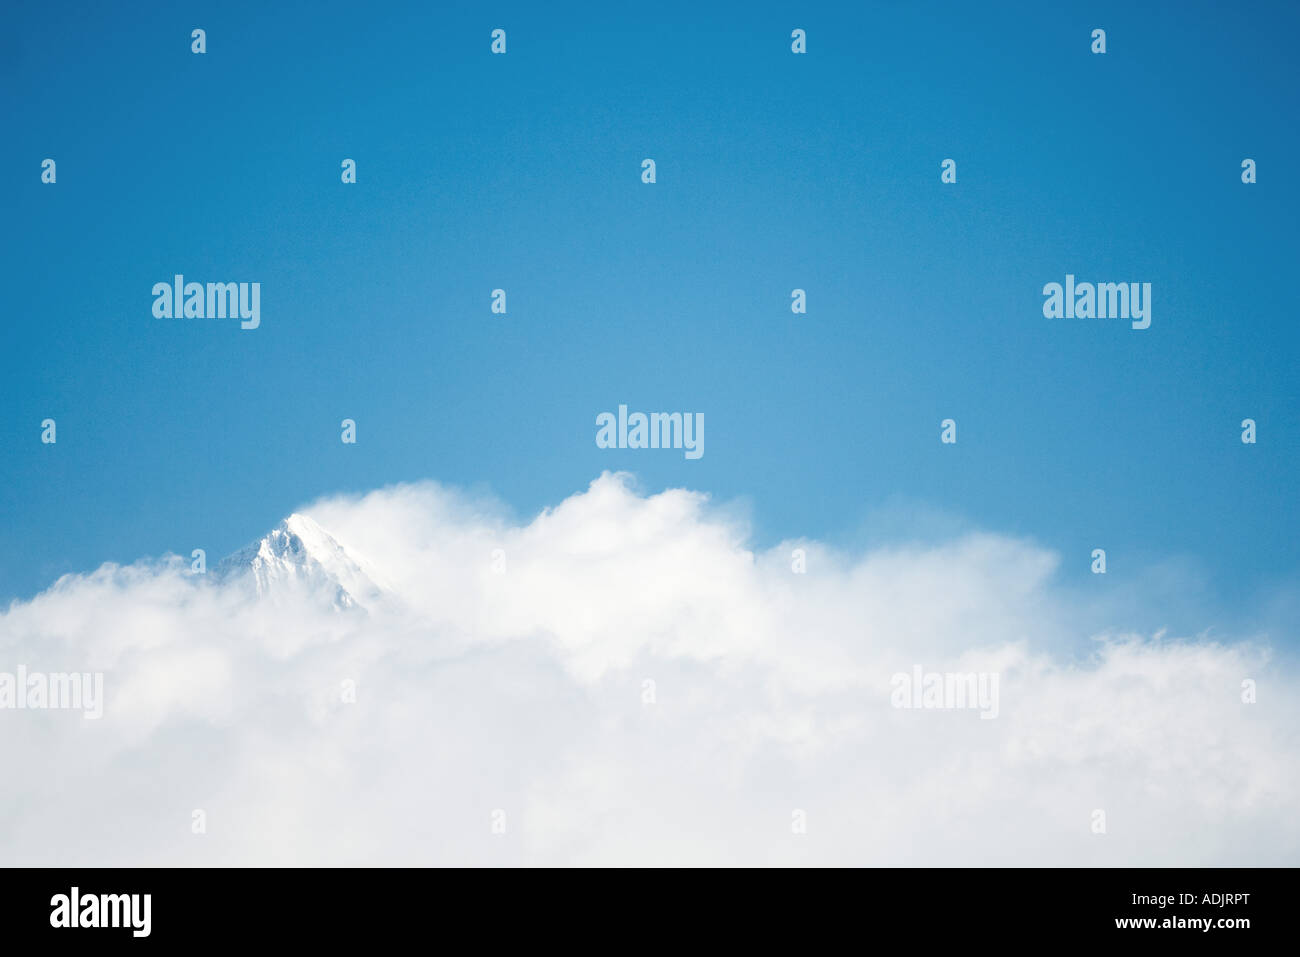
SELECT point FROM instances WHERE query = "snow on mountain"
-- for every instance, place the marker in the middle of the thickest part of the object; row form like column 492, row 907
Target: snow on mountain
column 300, row 556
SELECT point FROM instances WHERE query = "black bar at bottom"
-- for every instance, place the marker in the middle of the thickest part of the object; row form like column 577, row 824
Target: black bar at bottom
column 337, row 907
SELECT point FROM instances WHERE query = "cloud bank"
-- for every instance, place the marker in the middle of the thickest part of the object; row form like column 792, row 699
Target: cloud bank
column 623, row 680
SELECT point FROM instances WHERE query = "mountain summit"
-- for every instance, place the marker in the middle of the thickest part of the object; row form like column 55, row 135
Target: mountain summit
column 298, row 555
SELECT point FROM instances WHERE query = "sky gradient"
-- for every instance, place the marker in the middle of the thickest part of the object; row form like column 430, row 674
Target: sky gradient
column 775, row 172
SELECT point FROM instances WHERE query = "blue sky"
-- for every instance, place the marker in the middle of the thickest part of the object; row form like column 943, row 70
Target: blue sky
column 775, row 171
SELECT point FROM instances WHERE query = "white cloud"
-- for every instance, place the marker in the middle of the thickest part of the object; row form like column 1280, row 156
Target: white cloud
column 522, row 692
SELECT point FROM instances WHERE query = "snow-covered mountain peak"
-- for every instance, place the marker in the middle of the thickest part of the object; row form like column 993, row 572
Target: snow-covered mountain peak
column 298, row 554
